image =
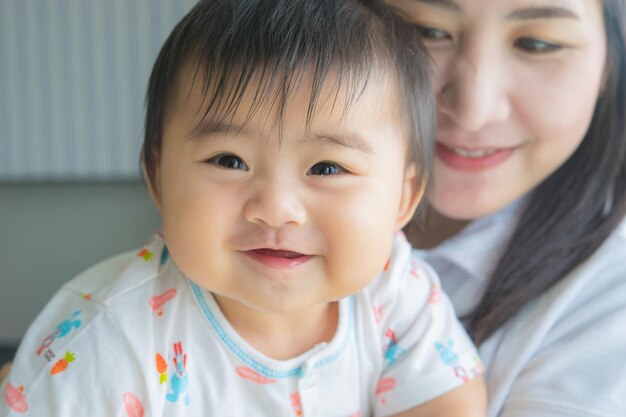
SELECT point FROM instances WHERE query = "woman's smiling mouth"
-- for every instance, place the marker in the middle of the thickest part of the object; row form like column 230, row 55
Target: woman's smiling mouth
column 472, row 160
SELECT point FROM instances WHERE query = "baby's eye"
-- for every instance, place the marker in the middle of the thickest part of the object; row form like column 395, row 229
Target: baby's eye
column 326, row 168
column 432, row 33
column 228, row 161
column 536, row 46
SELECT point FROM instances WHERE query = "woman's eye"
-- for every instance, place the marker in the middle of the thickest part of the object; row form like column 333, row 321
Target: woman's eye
column 536, row 46
column 228, row 161
column 326, row 168
column 434, row 34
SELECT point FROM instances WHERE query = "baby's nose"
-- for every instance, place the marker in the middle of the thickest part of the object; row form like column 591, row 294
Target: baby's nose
column 275, row 203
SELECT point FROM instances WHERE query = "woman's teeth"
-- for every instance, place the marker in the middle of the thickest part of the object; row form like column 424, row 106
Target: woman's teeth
column 477, row 153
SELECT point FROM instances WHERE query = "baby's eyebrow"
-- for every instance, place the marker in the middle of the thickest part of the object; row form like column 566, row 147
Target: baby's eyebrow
column 211, row 127
column 350, row 140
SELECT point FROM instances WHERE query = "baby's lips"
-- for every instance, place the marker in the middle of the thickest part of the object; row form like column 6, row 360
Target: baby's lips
column 278, row 253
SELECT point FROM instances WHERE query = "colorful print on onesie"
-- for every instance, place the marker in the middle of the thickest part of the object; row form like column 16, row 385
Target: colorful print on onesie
column 148, row 341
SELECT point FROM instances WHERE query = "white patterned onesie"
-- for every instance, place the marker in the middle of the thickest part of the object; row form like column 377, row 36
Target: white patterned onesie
column 133, row 337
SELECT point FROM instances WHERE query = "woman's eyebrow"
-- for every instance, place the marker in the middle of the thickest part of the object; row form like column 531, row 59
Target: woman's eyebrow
column 444, row 4
column 550, row 12
column 545, row 12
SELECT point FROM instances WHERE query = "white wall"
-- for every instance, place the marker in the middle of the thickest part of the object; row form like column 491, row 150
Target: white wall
column 73, row 75
column 51, row 232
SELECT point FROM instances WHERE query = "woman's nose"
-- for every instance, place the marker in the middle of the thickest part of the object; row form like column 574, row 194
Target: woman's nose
column 474, row 90
column 275, row 203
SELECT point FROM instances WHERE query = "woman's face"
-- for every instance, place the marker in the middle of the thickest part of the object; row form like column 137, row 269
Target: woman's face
column 516, row 83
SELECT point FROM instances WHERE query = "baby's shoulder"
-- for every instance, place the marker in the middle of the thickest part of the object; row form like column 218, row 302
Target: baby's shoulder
column 100, row 318
column 121, row 274
column 406, row 285
column 96, row 278
column 404, row 270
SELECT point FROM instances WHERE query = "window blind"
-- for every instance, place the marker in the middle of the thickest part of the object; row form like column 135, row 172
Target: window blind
column 73, row 75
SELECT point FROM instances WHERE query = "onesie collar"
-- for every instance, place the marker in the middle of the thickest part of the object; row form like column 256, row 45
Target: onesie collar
column 272, row 369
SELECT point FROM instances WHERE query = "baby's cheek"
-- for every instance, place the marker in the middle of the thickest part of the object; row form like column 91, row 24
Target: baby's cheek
column 362, row 257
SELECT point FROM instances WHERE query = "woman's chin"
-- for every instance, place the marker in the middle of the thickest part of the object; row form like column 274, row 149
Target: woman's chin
column 465, row 207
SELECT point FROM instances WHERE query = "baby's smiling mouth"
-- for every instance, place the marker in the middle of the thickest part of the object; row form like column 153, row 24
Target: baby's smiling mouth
column 280, row 259
column 278, row 253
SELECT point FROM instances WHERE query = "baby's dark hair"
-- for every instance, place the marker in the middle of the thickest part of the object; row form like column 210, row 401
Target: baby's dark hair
column 270, row 45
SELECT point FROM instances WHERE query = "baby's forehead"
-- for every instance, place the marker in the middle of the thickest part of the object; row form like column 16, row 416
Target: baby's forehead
column 210, row 95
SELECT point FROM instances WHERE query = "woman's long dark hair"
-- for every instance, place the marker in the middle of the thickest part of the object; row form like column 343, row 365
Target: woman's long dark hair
column 573, row 211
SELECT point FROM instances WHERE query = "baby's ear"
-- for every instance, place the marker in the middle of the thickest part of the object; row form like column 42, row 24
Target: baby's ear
column 412, row 193
column 152, row 183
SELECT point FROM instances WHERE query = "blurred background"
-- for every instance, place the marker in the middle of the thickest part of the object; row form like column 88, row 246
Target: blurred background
column 73, row 75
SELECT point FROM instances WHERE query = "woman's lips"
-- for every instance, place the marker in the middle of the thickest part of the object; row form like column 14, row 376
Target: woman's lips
column 278, row 259
column 472, row 160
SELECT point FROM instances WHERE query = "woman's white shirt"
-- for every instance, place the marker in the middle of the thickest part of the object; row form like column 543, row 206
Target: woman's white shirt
column 564, row 354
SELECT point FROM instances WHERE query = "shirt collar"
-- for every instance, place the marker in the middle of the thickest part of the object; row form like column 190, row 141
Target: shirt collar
column 477, row 248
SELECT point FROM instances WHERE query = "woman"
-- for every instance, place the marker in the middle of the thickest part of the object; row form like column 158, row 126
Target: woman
column 525, row 223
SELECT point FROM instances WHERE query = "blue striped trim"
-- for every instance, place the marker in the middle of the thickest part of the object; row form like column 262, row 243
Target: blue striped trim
column 261, row 369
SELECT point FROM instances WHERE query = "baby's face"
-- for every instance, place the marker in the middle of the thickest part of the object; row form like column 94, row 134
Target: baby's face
column 278, row 223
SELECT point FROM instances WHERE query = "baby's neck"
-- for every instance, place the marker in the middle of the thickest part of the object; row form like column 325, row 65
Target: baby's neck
column 282, row 336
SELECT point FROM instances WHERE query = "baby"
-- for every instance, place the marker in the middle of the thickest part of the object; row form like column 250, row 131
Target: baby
column 287, row 143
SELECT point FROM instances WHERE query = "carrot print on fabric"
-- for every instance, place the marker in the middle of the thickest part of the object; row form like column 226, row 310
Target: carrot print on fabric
column 62, row 364
column 296, row 404
column 145, row 254
column 253, row 376
column 132, row 405
column 15, row 398
column 161, row 366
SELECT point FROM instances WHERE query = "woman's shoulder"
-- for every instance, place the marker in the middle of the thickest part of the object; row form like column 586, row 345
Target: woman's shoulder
column 598, row 283
column 620, row 230
column 557, row 355
column 606, row 263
